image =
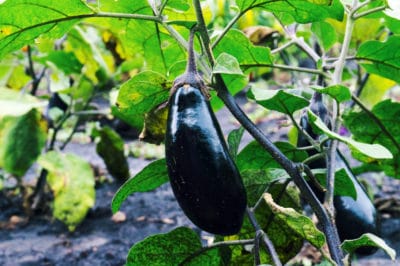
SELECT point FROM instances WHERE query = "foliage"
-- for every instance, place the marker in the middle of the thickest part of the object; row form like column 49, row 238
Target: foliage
column 60, row 58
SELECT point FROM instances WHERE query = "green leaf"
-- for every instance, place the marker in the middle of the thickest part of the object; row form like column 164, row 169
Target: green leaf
column 142, row 39
column 286, row 242
column 235, row 83
column 300, row 224
column 47, row 17
column 170, row 249
column 344, row 186
column 290, row 11
column 111, row 148
column 234, row 138
column 254, row 156
column 227, row 64
column 15, row 103
column 376, row 151
column 368, row 240
column 65, row 61
column 140, row 95
column 367, row 130
column 279, row 100
column 22, row 139
column 325, row 33
column 72, row 181
column 256, row 181
column 151, row 177
column 339, row 92
column 240, row 47
column 381, row 58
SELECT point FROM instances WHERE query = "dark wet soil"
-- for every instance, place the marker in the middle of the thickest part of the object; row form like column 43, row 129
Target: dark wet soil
column 101, row 241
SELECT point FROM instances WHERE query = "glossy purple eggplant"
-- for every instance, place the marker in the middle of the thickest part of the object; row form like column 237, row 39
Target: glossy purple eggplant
column 204, row 178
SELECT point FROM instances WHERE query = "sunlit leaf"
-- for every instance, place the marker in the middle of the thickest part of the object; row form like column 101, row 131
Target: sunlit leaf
column 15, row 103
column 52, row 18
column 72, row 181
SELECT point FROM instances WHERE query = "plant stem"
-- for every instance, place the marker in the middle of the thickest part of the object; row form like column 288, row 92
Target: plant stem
column 216, row 245
column 368, row 12
column 268, row 245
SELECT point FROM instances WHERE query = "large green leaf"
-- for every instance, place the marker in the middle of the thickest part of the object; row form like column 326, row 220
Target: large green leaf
column 325, row 33
column 279, row 100
column 367, row 130
column 72, row 181
column 150, row 178
column 171, row 249
column 254, row 156
column 22, row 21
column 22, row 139
column 376, row 151
column 302, row 11
column 111, row 148
column 381, row 58
column 140, row 95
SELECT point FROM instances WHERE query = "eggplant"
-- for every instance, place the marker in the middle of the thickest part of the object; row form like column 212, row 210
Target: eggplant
column 354, row 217
column 203, row 177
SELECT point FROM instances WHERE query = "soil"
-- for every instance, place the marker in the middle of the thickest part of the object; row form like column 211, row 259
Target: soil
column 101, row 240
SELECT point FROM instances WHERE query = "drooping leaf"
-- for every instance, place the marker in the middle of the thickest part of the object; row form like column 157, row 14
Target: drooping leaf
column 234, row 138
column 111, row 148
column 150, row 178
column 170, row 249
column 368, row 240
column 22, row 139
column 52, row 18
column 140, row 95
column 300, row 224
column 72, row 181
column 381, row 57
column 279, row 100
column 254, row 156
column 376, row 151
column 344, row 186
column 14, row 103
column 290, row 11
column 339, row 92
column 365, row 129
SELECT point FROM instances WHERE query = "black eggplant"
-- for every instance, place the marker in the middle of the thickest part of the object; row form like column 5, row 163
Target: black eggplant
column 204, row 178
column 353, row 217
